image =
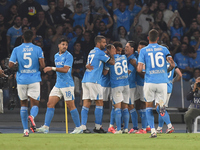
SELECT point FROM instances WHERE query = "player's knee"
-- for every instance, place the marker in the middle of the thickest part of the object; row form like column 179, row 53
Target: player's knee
column 99, row 103
column 50, row 105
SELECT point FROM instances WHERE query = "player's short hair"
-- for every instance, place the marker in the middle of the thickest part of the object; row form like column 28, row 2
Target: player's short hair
column 117, row 44
column 63, row 40
column 142, row 42
column 165, row 46
column 109, row 46
column 28, row 35
column 132, row 44
column 98, row 38
column 153, row 35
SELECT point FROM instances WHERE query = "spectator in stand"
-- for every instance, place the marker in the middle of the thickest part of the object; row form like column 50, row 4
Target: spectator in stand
column 53, row 17
column 20, row 40
column 41, row 23
column 103, row 30
column 87, row 44
column 134, row 12
column 86, row 5
column 153, row 7
column 29, row 9
column 178, row 26
column 188, row 13
column 3, row 42
column 195, row 41
column 68, row 31
column 198, row 21
column 78, row 16
column 70, row 4
column 195, row 60
column 159, row 20
column 174, row 46
column 183, row 62
column 193, row 27
column 25, row 22
column 167, row 14
column 173, row 5
column 4, row 7
column 12, row 14
column 12, row 34
column 122, row 14
column 44, row 4
column 36, row 38
column 54, row 42
column 122, row 36
column 136, row 33
column 3, row 23
column 196, row 74
column 63, row 11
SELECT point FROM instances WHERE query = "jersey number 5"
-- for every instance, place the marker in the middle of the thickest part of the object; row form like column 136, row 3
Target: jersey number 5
column 26, row 56
column 158, row 56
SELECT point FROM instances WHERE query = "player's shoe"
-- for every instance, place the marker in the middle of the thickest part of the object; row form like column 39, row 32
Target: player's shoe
column 100, row 130
column 132, row 131
column 118, row 132
column 158, row 131
column 43, row 129
column 170, row 130
column 26, row 134
column 32, row 124
column 77, row 130
column 153, row 135
column 87, row 131
column 111, row 129
column 148, row 128
column 125, row 131
column 141, row 131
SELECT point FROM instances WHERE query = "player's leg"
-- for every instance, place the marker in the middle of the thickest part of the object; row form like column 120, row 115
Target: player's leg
column 149, row 94
column 54, row 97
column 22, row 93
column 85, row 107
column 34, row 96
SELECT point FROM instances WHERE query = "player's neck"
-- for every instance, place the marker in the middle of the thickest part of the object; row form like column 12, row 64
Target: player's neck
column 152, row 42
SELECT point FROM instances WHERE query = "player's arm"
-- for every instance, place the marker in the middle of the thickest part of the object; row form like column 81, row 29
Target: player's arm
column 88, row 66
column 105, row 72
column 140, row 67
column 111, row 52
column 178, row 75
column 171, row 62
column 133, row 63
column 42, row 63
column 64, row 69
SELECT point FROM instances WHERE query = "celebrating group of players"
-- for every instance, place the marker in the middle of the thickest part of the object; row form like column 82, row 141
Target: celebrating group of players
column 136, row 78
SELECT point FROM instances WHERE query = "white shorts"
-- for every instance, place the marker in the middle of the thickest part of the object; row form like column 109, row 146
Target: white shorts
column 107, row 93
column 157, row 92
column 29, row 90
column 77, row 85
column 139, row 93
column 132, row 98
column 92, row 91
column 67, row 93
column 168, row 97
column 120, row 94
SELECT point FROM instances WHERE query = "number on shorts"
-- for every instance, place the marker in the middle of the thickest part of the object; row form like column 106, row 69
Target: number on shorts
column 68, row 94
column 158, row 56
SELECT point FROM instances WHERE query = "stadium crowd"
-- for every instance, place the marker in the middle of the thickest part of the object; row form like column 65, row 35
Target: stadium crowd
column 80, row 21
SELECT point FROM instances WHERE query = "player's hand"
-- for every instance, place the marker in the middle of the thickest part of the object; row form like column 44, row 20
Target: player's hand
column 46, row 69
column 88, row 66
column 1, row 71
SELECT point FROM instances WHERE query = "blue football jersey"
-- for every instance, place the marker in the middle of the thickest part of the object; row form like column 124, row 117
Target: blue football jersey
column 132, row 75
column 27, row 55
column 95, row 58
column 119, row 71
column 153, row 57
column 64, row 79
column 170, row 77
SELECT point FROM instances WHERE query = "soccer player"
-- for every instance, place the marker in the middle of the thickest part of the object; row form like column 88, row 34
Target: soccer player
column 64, row 87
column 92, row 90
column 120, row 89
column 29, row 58
column 132, row 66
column 169, row 91
column 154, row 58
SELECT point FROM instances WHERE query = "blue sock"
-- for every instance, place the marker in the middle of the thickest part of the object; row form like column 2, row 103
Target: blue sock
column 112, row 116
column 98, row 114
column 118, row 115
column 143, row 117
column 166, row 117
column 24, row 116
column 134, row 118
column 125, row 117
column 150, row 117
column 75, row 117
column 49, row 116
column 122, row 119
column 160, row 121
column 84, row 115
column 102, row 117
column 34, row 111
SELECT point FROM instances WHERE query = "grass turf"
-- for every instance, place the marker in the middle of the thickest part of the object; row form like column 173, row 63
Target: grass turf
column 54, row 141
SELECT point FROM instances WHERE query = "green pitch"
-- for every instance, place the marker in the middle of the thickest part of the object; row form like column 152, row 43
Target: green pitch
column 174, row 141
